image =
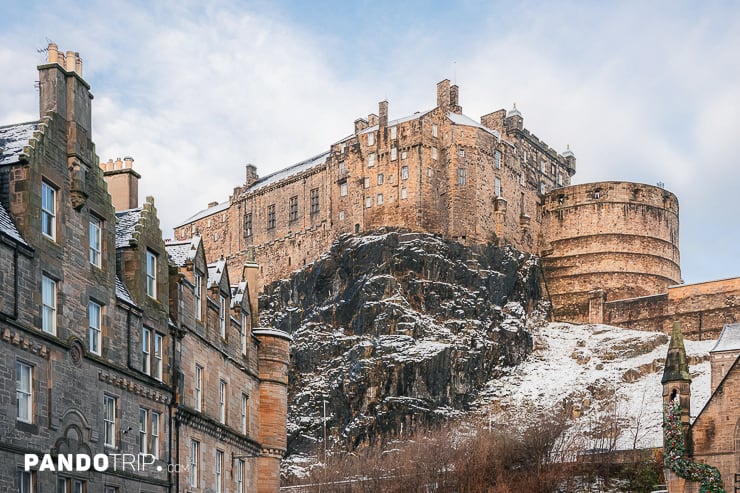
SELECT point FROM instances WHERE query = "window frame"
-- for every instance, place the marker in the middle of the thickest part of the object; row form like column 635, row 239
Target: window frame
column 95, row 327
column 248, row 225
column 462, row 176
column 380, row 179
column 394, row 132
column 379, row 199
column 198, row 295
column 240, row 475
column 194, row 463
column 154, row 432
column 394, row 153
column 110, row 403
column 371, row 159
column 48, row 312
column 314, row 201
column 404, row 193
column 24, row 393
column 95, row 232
column 222, row 402
column 343, row 189
column 222, row 315
column 151, row 274
column 243, row 334
column 143, row 430
column 49, row 215
column 146, row 350
column 496, row 159
column 218, row 470
column 404, row 172
column 244, row 413
column 293, row 209
column 271, row 216
column 157, row 356
column 497, row 186
column 198, row 387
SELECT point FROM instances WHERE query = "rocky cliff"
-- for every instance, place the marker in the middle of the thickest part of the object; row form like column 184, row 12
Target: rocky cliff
column 393, row 328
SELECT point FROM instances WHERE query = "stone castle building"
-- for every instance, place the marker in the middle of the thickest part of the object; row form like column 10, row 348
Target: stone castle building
column 610, row 250
column 113, row 341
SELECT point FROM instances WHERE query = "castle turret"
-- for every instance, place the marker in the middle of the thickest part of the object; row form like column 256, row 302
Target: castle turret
column 274, row 356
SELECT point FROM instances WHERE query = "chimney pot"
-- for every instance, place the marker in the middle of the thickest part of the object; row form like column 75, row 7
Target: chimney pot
column 69, row 61
column 53, row 53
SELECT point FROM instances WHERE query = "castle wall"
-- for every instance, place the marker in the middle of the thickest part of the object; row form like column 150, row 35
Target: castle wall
column 702, row 308
column 618, row 237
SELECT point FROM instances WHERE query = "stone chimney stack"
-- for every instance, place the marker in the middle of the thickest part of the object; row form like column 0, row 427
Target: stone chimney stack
column 454, row 104
column 360, row 125
column 65, row 93
column 372, row 119
column 252, row 175
column 443, row 94
column 383, row 114
column 123, row 183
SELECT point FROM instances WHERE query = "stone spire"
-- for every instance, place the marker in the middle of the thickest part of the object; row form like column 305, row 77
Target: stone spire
column 676, row 363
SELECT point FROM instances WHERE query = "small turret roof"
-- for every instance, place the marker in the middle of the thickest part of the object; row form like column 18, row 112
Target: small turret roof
column 513, row 112
column 568, row 152
column 676, row 363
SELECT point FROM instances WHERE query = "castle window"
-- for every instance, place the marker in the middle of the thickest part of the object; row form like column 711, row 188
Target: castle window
column 404, row 193
column 404, row 154
column 314, row 200
column 95, row 240
column 553, row 169
column 293, row 208
column 48, row 211
column 394, row 132
column 371, row 159
column 248, row 224
column 342, row 168
column 48, row 305
column 371, row 138
column 404, row 172
column 271, row 216
column 543, row 166
column 24, row 391
column 95, row 320
column 559, row 179
column 521, row 178
column 380, row 178
column 597, row 194
column 366, row 182
column 434, row 130
column 394, row 153
column 341, row 215
column 462, row 176
column 343, row 189
column 110, row 405
column 497, row 159
column 369, row 202
column 198, row 387
column 434, row 153
column 497, row 186
column 541, row 188
column 380, row 199
column 429, row 172
column 151, row 274
column 461, row 152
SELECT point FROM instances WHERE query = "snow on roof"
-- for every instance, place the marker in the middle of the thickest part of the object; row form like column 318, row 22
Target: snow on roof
column 215, row 270
column 466, row 120
column 12, row 140
column 205, row 213
column 289, row 171
column 237, row 293
column 398, row 121
column 729, row 339
column 125, row 225
column 122, row 292
column 7, row 227
column 180, row 252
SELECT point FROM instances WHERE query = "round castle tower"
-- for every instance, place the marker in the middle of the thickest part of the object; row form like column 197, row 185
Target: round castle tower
column 608, row 241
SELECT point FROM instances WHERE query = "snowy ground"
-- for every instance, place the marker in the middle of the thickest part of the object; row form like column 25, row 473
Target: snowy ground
column 605, row 373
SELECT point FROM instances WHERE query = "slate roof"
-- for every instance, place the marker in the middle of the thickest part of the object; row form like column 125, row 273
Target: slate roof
column 729, row 339
column 237, row 293
column 12, row 140
column 125, row 226
column 122, row 292
column 8, row 228
column 215, row 271
column 180, row 252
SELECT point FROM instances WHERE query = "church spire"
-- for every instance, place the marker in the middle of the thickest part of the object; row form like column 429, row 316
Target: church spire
column 676, row 363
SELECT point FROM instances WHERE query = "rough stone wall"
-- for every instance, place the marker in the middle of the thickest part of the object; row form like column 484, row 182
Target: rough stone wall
column 619, row 237
column 702, row 308
column 421, row 159
column 716, row 431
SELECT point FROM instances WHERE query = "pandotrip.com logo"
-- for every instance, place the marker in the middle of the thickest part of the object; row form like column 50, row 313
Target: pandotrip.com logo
column 136, row 463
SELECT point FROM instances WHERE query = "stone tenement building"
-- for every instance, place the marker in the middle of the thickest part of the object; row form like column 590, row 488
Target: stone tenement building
column 111, row 340
column 609, row 250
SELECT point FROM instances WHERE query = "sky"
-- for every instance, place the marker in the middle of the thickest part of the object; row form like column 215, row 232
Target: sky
column 195, row 90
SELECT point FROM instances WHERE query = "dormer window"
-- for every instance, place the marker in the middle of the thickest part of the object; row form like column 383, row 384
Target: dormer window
column 151, row 274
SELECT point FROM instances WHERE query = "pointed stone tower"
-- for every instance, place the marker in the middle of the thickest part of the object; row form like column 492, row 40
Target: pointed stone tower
column 677, row 385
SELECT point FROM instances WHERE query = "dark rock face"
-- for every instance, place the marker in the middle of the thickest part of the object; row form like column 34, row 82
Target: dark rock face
column 393, row 329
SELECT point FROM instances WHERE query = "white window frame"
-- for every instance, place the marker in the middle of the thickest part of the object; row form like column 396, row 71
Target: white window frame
column 143, row 430
column 48, row 304
column 394, row 153
column 371, row 138
column 146, row 350
column 157, row 354
column 245, row 330
column 244, row 410
column 380, row 178
column 371, row 160
column 240, row 476
column 368, row 202
column 394, row 132
column 48, row 210
column 343, row 189
column 26, row 480
column 222, row 389
column 96, row 240
column 222, row 315
column 462, row 176
column 404, row 172
column 404, row 193
column 434, row 153
column 24, row 392
column 194, row 466
column 497, row 186
column 197, row 295
column 379, row 199
column 198, row 388
column 218, row 471
column 496, row 159
column 95, row 329
column 155, row 432
column 110, row 405
column 435, row 130
column 151, row 274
